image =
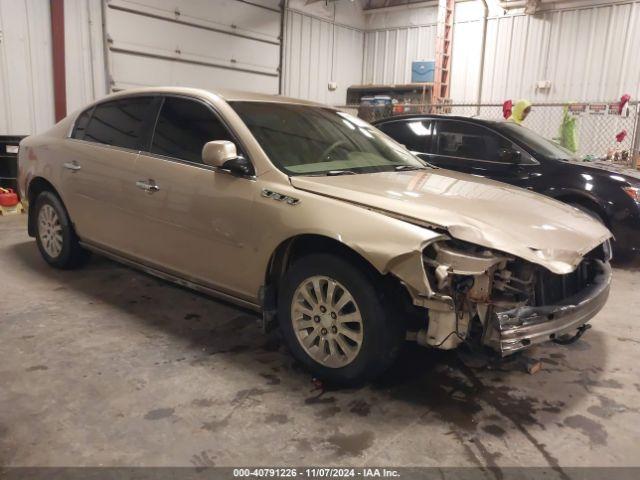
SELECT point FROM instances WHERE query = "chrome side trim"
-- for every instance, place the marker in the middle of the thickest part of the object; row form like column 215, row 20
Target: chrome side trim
column 104, row 145
column 280, row 197
column 173, row 278
column 201, row 166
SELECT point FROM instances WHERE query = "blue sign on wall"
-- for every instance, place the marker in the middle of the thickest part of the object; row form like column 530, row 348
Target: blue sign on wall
column 422, row 71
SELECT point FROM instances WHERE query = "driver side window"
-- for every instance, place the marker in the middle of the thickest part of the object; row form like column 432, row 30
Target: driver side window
column 183, row 127
column 465, row 140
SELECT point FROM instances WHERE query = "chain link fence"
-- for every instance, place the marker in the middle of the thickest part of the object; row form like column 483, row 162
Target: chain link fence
column 602, row 133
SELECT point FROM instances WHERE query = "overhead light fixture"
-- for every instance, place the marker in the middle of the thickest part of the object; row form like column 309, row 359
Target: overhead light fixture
column 531, row 7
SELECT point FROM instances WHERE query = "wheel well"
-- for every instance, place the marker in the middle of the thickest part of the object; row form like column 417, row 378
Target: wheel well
column 586, row 203
column 291, row 250
column 36, row 187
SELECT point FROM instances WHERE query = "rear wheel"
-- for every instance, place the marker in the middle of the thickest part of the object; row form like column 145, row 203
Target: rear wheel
column 336, row 320
column 56, row 239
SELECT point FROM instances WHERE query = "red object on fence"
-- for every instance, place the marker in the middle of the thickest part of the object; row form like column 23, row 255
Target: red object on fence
column 506, row 109
column 8, row 198
column 620, row 136
column 624, row 99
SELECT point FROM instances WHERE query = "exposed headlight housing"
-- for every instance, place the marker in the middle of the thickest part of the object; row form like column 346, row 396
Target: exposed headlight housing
column 607, row 251
column 633, row 192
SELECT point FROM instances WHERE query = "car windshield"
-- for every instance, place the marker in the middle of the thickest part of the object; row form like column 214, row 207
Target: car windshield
column 308, row 140
column 536, row 142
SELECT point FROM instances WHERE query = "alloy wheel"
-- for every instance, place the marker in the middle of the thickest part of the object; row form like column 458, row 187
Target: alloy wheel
column 327, row 321
column 50, row 231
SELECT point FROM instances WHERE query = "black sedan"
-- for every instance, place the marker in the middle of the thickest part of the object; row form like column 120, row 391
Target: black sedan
column 513, row 154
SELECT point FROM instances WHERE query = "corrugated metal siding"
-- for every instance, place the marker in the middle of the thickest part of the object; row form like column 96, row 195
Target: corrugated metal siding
column 389, row 53
column 189, row 43
column 318, row 51
column 84, row 58
column 394, row 39
column 346, row 13
column 587, row 54
column 465, row 61
column 26, row 84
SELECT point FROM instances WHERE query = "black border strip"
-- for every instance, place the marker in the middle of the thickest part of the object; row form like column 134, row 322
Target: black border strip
column 320, row 473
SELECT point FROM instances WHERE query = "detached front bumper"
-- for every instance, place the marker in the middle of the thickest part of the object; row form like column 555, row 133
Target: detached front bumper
column 521, row 327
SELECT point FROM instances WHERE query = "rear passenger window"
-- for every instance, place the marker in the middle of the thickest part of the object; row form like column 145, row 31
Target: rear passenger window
column 81, row 124
column 119, row 123
column 413, row 134
column 183, row 127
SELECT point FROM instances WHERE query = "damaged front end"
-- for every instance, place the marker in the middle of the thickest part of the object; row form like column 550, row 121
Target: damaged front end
column 504, row 302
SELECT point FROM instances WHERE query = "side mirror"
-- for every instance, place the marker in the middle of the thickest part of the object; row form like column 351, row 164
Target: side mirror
column 507, row 155
column 218, row 152
column 239, row 166
column 222, row 154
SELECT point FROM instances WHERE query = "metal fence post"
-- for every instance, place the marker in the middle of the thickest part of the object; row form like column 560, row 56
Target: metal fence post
column 635, row 142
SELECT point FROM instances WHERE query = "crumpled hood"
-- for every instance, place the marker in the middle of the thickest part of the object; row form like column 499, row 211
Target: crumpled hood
column 473, row 209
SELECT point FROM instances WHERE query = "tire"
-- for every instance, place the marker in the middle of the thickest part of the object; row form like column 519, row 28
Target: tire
column 347, row 362
column 55, row 236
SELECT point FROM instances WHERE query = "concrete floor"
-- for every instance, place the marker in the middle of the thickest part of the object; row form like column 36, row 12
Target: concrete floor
column 107, row 366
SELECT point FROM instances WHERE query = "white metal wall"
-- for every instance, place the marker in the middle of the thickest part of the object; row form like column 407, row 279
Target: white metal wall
column 84, row 53
column 318, row 51
column 26, row 78
column 587, row 53
column 229, row 44
column 394, row 39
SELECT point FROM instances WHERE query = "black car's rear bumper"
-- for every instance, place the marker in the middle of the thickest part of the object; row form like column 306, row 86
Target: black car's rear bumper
column 521, row 327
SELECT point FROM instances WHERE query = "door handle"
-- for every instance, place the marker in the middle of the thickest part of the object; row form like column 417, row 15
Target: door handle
column 148, row 186
column 73, row 166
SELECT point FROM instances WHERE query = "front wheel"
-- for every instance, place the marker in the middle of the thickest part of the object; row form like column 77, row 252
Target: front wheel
column 596, row 216
column 590, row 212
column 336, row 320
column 56, row 239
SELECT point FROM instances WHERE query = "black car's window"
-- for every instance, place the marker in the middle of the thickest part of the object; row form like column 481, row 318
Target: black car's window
column 465, row 140
column 183, row 127
column 413, row 134
column 535, row 142
column 119, row 122
column 81, row 124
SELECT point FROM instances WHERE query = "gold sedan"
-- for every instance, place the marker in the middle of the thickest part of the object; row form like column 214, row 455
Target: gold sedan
column 337, row 234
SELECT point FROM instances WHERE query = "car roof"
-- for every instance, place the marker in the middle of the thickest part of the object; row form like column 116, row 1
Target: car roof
column 226, row 94
column 478, row 120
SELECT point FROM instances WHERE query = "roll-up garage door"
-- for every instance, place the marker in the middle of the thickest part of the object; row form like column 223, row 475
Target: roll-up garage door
column 195, row 43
